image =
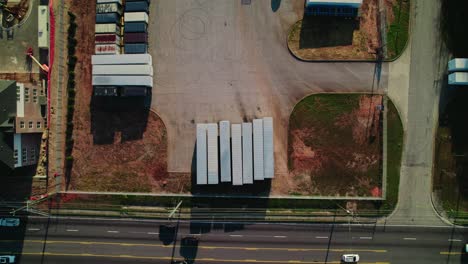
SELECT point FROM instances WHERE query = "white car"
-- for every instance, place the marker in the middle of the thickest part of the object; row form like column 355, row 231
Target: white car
column 9, row 222
column 466, row 248
column 7, row 259
column 350, row 258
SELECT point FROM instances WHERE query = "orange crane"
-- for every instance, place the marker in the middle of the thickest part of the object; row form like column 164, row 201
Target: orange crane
column 43, row 67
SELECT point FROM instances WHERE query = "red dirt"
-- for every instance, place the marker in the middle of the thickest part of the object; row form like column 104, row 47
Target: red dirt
column 112, row 151
column 340, row 157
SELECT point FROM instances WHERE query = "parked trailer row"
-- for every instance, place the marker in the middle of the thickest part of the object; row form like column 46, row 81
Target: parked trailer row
column 135, row 70
column 246, row 152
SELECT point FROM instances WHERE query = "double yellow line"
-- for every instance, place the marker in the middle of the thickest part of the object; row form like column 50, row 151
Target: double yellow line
column 200, row 247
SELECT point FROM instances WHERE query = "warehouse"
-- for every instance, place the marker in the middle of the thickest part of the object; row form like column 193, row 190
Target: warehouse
column 342, row 8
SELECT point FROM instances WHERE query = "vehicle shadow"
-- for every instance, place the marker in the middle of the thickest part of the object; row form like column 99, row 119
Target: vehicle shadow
column 326, row 31
column 275, row 5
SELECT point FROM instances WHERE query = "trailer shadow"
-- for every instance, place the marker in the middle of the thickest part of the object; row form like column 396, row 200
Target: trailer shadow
column 110, row 115
column 327, row 31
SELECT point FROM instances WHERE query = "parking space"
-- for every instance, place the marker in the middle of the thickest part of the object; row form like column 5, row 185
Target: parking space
column 14, row 42
column 221, row 60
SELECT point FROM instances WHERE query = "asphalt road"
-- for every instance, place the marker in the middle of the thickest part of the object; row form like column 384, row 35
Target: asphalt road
column 119, row 241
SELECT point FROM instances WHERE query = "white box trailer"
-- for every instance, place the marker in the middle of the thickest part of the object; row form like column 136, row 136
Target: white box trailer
column 458, row 78
column 123, row 80
column 109, row 49
column 201, row 155
column 458, row 64
column 108, row 8
column 212, row 140
column 144, row 59
column 109, row 1
column 107, row 28
column 268, row 148
column 225, row 150
column 43, row 26
column 236, row 132
column 247, row 164
column 138, row 70
column 136, row 17
column 258, row 149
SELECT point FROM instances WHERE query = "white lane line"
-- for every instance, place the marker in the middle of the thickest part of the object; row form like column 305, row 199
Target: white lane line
column 280, row 236
column 455, row 240
column 152, row 233
column 72, row 230
column 236, row 235
column 112, row 231
column 409, row 238
column 34, row 229
column 321, row 237
column 365, row 237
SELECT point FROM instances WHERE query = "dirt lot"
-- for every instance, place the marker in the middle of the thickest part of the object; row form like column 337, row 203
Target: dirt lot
column 334, row 38
column 335, row 146
column 122, row 150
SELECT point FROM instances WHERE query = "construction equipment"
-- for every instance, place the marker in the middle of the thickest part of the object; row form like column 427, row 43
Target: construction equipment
column 44, row 67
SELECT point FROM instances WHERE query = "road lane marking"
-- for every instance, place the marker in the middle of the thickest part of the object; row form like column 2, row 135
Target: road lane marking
column 200, row 247
column 409, row 238
column 451, row 253
column 34, row 229
column 236, row 235
column 321, row 237
column 72, row 230
column 153, row 233
column 365, row 237
column 454, row 240
column 280, row 236
column 112, row 231
column 169, row 258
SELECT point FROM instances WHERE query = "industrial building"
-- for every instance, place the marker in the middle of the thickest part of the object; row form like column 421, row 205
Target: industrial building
column 22, row 122
column 245, row 153
column 341, row 8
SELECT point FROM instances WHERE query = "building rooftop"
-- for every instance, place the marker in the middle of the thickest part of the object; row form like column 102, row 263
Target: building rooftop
column 7, row 111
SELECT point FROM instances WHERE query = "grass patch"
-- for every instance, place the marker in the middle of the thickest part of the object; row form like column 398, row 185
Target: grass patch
column 397, row 33
column 394, row 153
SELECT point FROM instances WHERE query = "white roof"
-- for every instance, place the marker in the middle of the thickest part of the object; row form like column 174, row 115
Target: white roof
column 122, row 69
column 258, row 149
column 268, row 148
column 247, row 163
column 122, row 59
column 212, row 140
column 201, row 154
column 236, row 131
column 225, row 150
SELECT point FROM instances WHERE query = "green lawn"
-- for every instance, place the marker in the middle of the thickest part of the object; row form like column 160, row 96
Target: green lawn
column 398, row 30
column 394, row 152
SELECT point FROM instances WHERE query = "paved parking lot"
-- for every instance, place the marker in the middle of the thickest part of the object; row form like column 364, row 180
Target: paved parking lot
column 221, row 60
column 13, row 51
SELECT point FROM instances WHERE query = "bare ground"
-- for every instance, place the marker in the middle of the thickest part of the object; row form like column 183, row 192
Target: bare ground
column 337, row 153
column 113, row 150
